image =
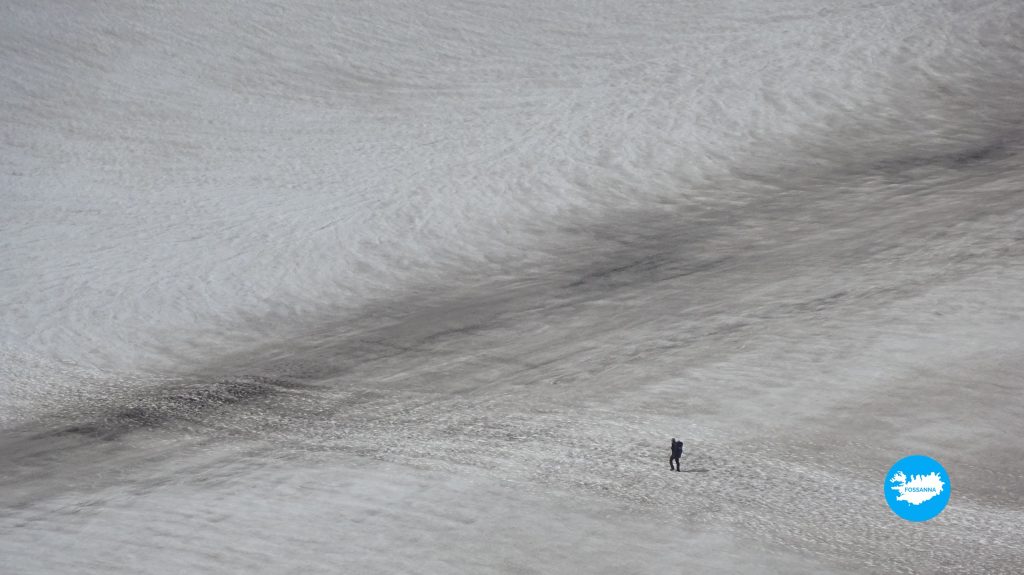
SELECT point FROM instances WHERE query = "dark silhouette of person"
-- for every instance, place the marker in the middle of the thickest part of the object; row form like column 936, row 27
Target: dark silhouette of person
column 677, row 452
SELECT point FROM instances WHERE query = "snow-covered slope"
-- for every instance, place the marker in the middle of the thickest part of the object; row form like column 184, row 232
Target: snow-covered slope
column 255, row 257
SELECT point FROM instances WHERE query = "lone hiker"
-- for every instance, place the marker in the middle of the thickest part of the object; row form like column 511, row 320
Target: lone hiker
column 677, row 452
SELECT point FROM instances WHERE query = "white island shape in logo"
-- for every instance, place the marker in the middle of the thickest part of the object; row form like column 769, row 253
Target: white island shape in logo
column 919, row 489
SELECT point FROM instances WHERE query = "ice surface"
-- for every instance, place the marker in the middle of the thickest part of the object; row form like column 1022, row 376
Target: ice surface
column 427, row 287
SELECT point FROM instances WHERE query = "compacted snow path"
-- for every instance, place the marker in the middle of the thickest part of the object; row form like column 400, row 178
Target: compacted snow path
column 391, row 287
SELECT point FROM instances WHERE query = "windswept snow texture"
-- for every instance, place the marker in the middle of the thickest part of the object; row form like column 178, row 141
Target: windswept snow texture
column 392, row 286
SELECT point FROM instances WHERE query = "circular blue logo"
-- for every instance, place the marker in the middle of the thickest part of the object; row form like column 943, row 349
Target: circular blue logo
column 917, row 488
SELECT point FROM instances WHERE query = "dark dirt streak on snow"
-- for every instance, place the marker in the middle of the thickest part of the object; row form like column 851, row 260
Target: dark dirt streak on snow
column 628, row 253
